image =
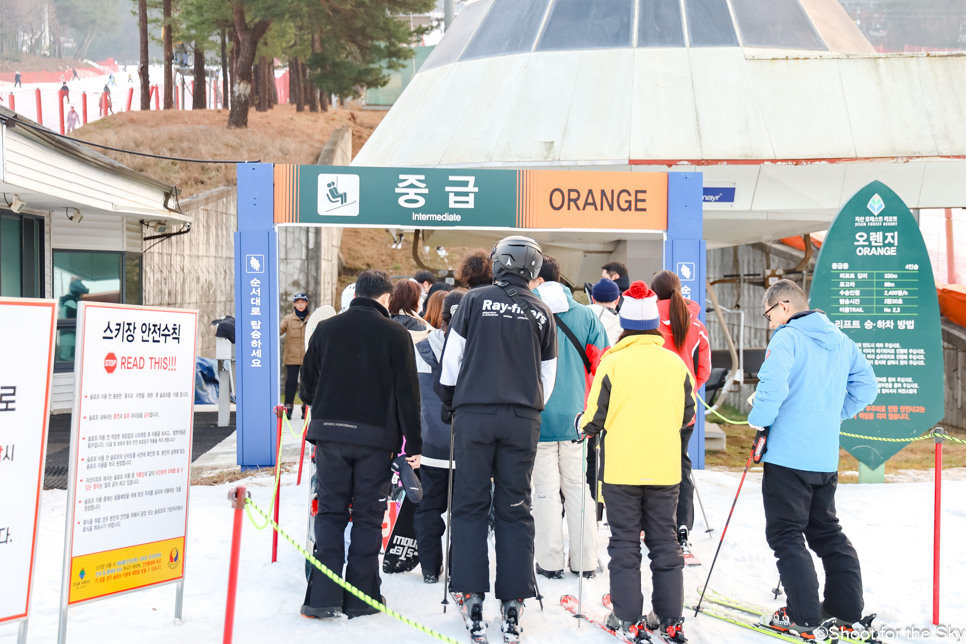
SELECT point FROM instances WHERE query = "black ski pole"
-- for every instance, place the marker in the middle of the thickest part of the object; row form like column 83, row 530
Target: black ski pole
column 777, row 590
column 536, row 587
column 725, row 531
column 697, row 493
column 449, row 517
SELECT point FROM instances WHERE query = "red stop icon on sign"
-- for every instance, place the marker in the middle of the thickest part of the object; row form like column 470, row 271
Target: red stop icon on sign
column 110, row 363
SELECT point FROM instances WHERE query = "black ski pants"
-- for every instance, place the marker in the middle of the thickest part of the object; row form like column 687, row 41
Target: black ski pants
column 291, row 382
column 685, row 514
column 800, row 506
column 428, row 521
column 497, row 442
column 651, row 508
column 360, row 476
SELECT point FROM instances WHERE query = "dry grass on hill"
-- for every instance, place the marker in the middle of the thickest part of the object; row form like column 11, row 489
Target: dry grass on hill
column 364, row 248
column 280, row 135
column 30, row 63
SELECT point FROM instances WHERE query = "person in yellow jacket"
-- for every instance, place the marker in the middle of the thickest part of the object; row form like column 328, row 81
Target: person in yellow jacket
column 639, row 403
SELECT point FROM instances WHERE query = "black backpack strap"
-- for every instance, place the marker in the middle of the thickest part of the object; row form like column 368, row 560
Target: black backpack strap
column 527, row 310
column 573, row 339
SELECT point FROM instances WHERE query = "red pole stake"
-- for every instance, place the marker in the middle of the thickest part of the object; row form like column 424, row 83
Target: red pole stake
column 13, row 103
column 130, row 98
column 40, row 109
column 298, row 481
column 84, row 107
column 279, row 410
column 237, row 496
column 937, row 513
column 61, row 95
column 157, row 98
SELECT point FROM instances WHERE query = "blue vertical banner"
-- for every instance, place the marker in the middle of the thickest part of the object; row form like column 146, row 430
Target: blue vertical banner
column 685, row 253
column 256, row 318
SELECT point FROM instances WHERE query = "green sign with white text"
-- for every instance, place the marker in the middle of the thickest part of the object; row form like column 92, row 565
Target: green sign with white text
column 874, row 280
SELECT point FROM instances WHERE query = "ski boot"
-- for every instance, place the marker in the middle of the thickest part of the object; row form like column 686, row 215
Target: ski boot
column 511, row 611
column 631, row 631
column 550, row 574
column 288, row 410
column 668, row 627
column 860, row 631
column 430, row 577
column 782, row 622
column 683, row 540
column 471, row 608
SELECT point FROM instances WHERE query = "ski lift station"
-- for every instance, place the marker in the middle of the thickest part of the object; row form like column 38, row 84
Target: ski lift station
column 784, row 107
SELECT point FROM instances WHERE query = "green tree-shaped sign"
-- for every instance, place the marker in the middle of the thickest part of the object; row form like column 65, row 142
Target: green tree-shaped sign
column 874, row 280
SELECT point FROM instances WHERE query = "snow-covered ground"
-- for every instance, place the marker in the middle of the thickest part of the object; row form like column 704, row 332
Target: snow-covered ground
column 26, row 103
column 890, row 525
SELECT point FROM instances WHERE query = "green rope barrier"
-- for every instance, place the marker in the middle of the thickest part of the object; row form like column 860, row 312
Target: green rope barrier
column 715, row 412
column 889, row 440
column 930, row 434
column 346, row 585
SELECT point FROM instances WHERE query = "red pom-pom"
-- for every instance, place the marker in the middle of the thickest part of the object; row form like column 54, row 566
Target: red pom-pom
column 638, row 291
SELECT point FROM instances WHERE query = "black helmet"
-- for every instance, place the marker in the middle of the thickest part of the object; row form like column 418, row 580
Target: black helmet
column 516, row 255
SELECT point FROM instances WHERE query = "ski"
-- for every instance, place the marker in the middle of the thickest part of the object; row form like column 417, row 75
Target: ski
column 756, row 626
column 714, row 597
column 475, row 627
column 569, row 602
column 605, row 600
column 689, row 558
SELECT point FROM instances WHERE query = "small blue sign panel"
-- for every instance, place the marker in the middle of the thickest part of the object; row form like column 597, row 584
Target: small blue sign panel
column 254, row 263
column 686, row 272
column 719, row 195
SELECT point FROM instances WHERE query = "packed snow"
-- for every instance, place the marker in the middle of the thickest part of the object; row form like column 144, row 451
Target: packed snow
column 890, row 526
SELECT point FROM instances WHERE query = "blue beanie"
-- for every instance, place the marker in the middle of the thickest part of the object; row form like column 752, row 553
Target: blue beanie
column 606, row 290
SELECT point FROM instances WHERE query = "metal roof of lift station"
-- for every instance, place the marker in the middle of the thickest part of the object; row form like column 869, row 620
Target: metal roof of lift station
column 783, row 100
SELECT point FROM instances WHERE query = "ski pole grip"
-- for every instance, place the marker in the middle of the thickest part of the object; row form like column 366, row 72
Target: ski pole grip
column 761, row 444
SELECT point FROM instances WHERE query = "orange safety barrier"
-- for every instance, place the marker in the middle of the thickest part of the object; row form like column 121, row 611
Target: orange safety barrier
column 952, row 302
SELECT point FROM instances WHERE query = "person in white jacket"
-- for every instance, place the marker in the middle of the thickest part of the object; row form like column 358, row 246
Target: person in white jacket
column 606, row 294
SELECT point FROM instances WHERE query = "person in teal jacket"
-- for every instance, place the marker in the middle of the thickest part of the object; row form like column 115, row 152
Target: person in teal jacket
column 812, row 379
column 558, row 466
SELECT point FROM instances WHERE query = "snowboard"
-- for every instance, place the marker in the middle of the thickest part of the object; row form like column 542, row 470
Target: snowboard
column 401, row 553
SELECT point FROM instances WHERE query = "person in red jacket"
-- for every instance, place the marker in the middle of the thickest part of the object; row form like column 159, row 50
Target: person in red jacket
column 685, row 335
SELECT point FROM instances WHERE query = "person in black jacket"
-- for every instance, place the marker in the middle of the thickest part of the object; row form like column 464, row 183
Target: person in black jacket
column 498, row 370
column 434, row 467
column 359, row 377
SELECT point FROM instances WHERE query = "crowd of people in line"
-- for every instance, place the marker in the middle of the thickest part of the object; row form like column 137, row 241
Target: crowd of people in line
column 518, row 405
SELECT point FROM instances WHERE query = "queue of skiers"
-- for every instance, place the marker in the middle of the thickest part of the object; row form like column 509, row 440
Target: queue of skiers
column 496, row 401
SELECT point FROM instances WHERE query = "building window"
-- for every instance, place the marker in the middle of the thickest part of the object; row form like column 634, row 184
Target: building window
column 21, row 255
column 588, row 24
column 709, row 23
column 90, row 276
column 510, row 27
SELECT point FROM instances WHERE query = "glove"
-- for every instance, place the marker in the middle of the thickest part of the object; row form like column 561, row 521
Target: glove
column 761, row 443
column 446, row 413
column 581, row 436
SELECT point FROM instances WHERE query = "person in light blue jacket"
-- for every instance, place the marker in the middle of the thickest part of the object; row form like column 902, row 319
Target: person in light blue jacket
column 812, row 379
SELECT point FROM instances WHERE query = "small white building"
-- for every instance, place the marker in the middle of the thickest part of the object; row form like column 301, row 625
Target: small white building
column 72, row 227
